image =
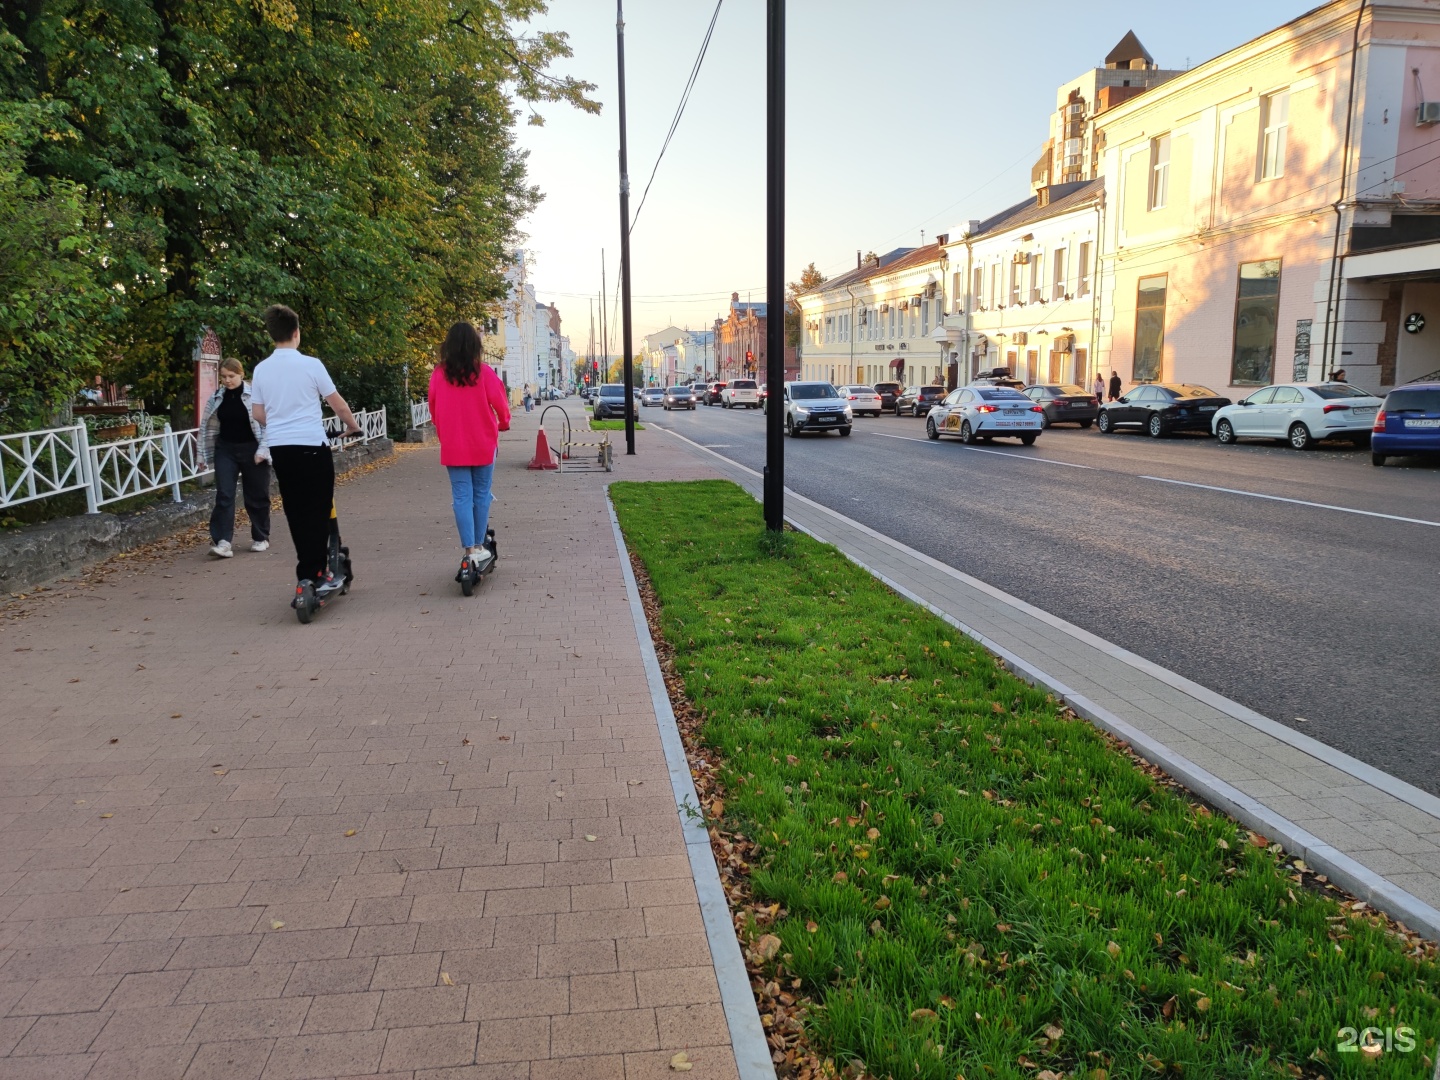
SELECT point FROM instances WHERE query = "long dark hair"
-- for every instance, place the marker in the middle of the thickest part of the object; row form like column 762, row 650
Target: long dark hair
column 460, row 354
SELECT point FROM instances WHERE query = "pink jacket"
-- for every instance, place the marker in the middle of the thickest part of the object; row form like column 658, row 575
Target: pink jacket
column 468, row 419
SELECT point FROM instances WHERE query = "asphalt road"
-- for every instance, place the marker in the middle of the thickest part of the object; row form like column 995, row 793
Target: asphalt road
column 1328, row 612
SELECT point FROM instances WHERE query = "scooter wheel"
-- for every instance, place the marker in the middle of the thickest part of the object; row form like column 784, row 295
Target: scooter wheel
column 467, row 583
column 306, row 604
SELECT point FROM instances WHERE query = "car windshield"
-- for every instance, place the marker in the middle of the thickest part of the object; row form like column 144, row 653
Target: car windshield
column 887, row 387
column 680, row 391
column 1331, row 391
column 812, row 391
column 1003, row 395
column 1190, row 390
column 1427, row 400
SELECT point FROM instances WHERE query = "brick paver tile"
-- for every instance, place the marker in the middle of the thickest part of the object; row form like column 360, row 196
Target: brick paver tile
column 65, row 995
column 50, row 1067
column 683, row 1026
column 436, row 1046
column 609, row 1067
column 422, row 1006
column 341, row 1012
column 603, row 1032
column 128, row 1029
column 235, row 1021
column 519, row 1039
column 709, row 1061
column 596, row 993
column 492, row 1000
column 71, row 1034
column 235, row 984
column 311, row 1057
column 230, row 1061
column 149, row 1063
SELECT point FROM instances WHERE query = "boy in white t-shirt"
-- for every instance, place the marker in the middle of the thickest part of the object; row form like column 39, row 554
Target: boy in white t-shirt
column 285, row 394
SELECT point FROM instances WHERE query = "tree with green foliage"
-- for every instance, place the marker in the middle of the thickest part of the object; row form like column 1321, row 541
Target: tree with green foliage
column 355, row 161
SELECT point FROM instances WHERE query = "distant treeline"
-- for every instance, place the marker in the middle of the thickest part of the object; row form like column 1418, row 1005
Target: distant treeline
column 172, row 164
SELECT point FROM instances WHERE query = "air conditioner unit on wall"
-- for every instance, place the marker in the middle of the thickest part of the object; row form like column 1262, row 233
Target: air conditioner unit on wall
column 1427, row 112
column 1022, row 257
column 1022, row 337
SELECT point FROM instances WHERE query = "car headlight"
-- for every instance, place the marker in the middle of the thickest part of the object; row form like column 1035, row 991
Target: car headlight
column 802, row 413
column 848, row 414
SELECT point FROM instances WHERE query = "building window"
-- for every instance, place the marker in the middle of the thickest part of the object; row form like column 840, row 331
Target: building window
column 1082, row 271
column 1257, row 305
column 1149, row 327
column 994, row 285
column 957, row 287
column 829, row 329
column 1159, row 172
column 1014, row 283
column 892, row 320
column 977, row 295
column 1274, row 122
column 1037, row 276
column 924, row 317
column 1057, row 272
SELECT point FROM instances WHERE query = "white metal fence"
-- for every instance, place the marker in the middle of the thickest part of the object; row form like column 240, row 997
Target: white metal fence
column 419, row 413
column 41, row 464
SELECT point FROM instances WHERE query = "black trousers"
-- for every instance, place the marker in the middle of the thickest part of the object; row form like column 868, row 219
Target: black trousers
column 237, row 461
column 306, row 475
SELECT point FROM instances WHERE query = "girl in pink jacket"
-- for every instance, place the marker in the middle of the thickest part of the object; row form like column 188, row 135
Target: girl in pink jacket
column 469, row 410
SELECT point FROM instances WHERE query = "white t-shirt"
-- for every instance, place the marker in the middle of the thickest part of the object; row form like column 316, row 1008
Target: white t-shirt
column 291, row 385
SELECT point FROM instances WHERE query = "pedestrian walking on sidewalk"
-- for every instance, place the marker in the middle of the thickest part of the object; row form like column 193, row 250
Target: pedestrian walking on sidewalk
column 529, row 399
column 469, row 409
column 285, row 397
column 1338, row 375
column 233, row 444
column 1115, row 386
column 1099, row 388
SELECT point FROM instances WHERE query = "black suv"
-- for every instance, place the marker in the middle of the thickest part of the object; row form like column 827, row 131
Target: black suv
column 888, row 392
column 916, row 400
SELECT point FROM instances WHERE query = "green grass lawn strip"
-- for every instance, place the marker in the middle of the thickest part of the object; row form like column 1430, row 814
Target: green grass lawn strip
column 965, row 869
column 613, row 425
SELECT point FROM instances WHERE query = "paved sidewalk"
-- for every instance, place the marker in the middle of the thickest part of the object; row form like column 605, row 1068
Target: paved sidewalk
column 425, row 836
column 1371, row 833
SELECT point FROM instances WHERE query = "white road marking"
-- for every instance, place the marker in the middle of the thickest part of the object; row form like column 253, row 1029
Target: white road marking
column 1296, row 502
column 1000, row 453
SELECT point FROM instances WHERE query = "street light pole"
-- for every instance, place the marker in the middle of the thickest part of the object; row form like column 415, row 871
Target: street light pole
column 775, row 265
column 625, row 236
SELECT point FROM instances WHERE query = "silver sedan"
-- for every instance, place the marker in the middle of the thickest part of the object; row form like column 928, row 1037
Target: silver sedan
column 986, row 412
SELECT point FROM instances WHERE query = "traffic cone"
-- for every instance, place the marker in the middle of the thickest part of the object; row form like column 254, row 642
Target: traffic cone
column 543, row 458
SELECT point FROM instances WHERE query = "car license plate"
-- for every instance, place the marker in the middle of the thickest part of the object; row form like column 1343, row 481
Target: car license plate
column 1208, row 408
column 1423, row 423
column 1012, row 412
column 1365, row 412
column 827, row 419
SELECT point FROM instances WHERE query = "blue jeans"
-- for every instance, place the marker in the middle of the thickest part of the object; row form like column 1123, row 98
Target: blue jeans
column 470, row 494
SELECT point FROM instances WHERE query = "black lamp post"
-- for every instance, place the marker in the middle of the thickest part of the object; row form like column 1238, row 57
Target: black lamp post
column 775, row 264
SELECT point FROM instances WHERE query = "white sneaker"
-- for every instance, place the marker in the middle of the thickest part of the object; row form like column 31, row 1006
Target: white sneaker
column 222, row 549
column 481, row 556
column 260, row 545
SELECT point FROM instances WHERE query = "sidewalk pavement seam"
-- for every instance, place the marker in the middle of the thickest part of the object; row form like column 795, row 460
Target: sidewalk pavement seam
column 747, row 1036
column 1343, row 869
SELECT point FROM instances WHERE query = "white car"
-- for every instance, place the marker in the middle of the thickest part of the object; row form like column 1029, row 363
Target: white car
column 740, row 393
column 863, row 400
column 1299, row 413
column 984, row 413
column 816, row 406
column 652, row 395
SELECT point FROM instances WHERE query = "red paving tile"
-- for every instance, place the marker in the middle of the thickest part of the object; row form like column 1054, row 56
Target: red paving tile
column 342, row 849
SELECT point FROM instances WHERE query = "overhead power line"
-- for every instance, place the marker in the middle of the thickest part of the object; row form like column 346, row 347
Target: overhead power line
column 679, row 111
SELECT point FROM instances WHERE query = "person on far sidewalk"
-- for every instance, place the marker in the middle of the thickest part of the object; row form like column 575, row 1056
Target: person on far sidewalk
column 1115, row 385
column 528, row 399
column 285, row 397
column 1099, row 389
column 469, row 409
column 233, row 443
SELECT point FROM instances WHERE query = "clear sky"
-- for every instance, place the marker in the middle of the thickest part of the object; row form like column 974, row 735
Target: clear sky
column 902, row 116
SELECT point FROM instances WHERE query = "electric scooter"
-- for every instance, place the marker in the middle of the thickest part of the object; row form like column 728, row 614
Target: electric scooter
column 471, row 574
column 307, row 601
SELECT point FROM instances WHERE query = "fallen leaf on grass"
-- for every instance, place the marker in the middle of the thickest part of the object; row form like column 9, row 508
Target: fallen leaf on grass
column 717, row 808
column 1202, row 1004
column 1053, row 1032
column 812, row 927
column 681, row 1063
column 923, row 1014
column 1113, row 948
column 445, row 978
column 872, row 834
column 768, row 947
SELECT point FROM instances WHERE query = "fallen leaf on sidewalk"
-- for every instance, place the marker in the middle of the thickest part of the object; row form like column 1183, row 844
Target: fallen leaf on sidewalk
column 174, row 716
column 681, row 1063
column 276, row 924
column 590, row 837
column 114, row 741
column 464, row 742
column 445, row 978
column 634, row 783
column 349, row 832
column 107, row 815
column 559, row 794
column 220, row 772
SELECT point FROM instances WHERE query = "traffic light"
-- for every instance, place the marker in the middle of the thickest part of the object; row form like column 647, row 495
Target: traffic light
column 587, row 378
column 749, row 357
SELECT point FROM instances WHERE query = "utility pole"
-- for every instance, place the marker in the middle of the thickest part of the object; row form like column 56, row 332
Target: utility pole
column 624, row 236
column 604, row 326
column 775, row 265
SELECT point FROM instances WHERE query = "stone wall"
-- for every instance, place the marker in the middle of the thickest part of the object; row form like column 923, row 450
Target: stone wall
column 39, row 553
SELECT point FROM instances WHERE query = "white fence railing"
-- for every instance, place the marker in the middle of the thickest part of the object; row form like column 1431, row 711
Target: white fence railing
column 128, row 467
column 40, row 464
column 372, row 426
column 419, row 413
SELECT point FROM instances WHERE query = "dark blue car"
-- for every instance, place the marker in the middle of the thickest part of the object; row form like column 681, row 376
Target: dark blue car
column 1409, row 423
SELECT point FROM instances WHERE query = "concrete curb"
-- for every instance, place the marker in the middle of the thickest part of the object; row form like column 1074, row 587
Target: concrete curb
column 747, row 1036
column 1344, row 871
